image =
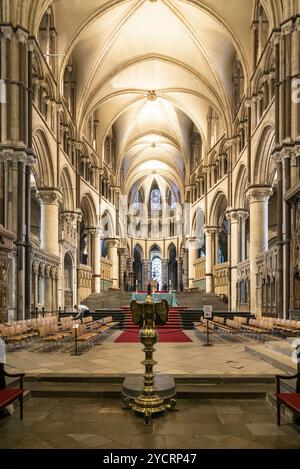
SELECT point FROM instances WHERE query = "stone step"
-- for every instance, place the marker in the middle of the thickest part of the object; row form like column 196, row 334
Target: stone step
column 117, row 378
column 278, row 360
column 183, row 390
column 280, row 346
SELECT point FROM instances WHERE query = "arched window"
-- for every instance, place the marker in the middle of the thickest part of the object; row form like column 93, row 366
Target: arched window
column 155, row 199
column 238, row 83
column 103, row 249
column 137, row 200
column 173, row 200
column 47, row 38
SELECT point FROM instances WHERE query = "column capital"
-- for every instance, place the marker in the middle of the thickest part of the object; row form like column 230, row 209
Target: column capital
column 297, row 24
column 71, row 216
column 112, row 242
column 275, row 39
column 50, row 196
column 210, row 230
column 278, row 157
column 22, row 35
column 93, row 230
column 121, row 251
column 194, row 242
column 7, row 31
column 287, row 152
column 236, row 214
column 288, row 28
column 258, row 193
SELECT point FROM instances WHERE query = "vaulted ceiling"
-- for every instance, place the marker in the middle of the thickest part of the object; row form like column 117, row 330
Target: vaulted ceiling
column 152, row 68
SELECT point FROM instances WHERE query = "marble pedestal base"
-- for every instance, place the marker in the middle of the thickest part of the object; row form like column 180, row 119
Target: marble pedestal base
column 165, row 386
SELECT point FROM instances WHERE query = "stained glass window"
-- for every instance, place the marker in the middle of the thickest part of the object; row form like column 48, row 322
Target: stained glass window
column 155, row 199
column 137, row 200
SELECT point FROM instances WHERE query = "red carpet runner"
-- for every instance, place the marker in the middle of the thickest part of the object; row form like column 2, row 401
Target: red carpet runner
column 170, row 332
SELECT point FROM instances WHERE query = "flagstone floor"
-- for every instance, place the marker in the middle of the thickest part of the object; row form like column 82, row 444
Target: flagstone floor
column 110, row 358
column 94, row 423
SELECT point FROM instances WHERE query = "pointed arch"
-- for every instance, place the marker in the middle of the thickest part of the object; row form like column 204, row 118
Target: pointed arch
column 264, row 167
column 67, row 189
column 89, row 211
column 43, row 168
column 240, row 187
column 218, row 208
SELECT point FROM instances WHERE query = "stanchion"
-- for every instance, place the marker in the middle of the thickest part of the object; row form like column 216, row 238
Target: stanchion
column 207, row 314
column 208, row 344
column 75, row 327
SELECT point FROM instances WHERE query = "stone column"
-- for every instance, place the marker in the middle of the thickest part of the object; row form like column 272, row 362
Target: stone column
column 216, row 245
column 121, row 253
column 50, row 199
column 96, row 238
column 258, row 201
column 112, row 246
column 16, row 154
column 48, row 290
column 287, row 237
column 145, row 274
column 179, row 273
column 209, row 258
column 185, row 269
column 164, row 263
column 193, row 250
column 130, row 271
column 237, row 217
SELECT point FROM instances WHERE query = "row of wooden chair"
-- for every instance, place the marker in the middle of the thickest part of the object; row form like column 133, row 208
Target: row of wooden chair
column 258, row 328
column 87, row 319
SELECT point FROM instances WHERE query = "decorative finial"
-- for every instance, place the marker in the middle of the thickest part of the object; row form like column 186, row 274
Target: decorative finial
column 151, row 95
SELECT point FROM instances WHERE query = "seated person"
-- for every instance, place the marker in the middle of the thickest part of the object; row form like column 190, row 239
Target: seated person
column 82, row 311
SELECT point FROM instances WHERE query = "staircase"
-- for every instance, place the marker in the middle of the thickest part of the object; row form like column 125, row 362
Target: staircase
column 174, row 322
column 195, row 300
column 110, row 386
column 276, row 352
column 117, row 299
column 107, row 300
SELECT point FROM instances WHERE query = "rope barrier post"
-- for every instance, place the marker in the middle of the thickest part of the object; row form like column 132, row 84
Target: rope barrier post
column 207, row 314
column 75, row 327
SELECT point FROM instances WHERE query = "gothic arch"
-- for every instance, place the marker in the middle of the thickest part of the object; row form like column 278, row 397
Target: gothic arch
column 217, row 209
column 140, row 249
column 89, row 211
column 240, row 187
column 43, row 167
column 107, row 225
column 67, row 190
column 264, row 167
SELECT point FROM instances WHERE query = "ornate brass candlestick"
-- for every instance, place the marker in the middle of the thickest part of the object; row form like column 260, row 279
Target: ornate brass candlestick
column 147, row 315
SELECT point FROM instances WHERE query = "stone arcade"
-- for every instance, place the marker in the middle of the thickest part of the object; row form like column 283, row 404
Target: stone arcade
column 150, row 141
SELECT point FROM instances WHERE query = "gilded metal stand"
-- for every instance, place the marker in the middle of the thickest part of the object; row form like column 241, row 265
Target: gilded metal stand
column 147, row 314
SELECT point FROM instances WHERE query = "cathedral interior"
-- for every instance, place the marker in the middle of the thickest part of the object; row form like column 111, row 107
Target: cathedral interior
column 150, row 142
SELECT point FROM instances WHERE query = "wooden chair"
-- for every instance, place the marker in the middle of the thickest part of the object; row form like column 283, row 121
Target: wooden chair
column 291, row 400
column 7, row 395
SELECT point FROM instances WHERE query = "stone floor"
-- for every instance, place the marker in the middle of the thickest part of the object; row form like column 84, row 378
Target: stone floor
column 93, row 423
column 114, row 358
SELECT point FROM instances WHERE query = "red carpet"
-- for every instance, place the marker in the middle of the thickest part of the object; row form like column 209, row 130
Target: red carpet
column 170, row 332
column 164, row 336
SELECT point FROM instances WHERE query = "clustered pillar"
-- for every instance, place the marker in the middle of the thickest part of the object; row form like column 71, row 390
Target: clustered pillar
column 258, row 202
column 112, row 245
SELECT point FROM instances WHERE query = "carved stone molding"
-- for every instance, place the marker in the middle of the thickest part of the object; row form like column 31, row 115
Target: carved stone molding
column 50, row 196
column 258, row 193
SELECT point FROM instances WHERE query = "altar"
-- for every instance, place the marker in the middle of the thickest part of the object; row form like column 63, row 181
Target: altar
column 170, row 297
